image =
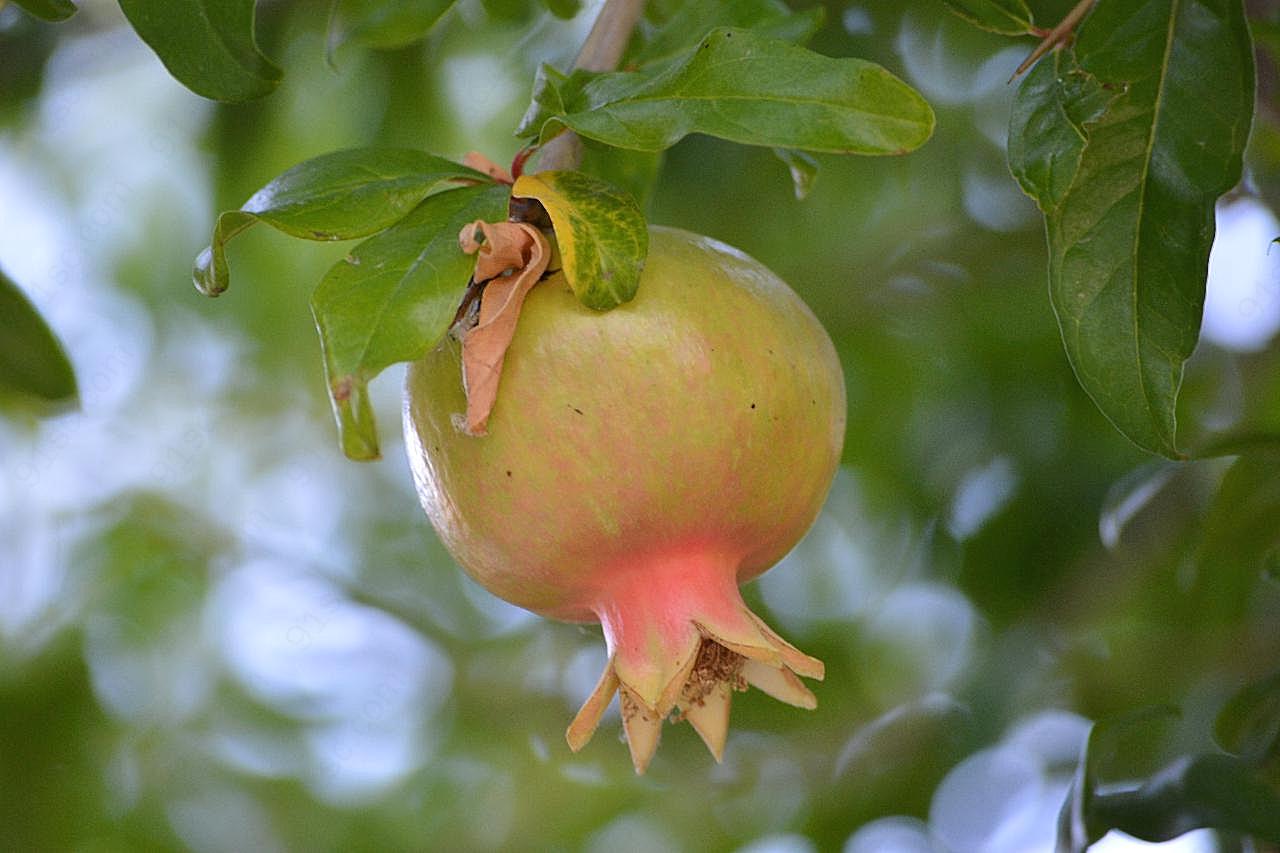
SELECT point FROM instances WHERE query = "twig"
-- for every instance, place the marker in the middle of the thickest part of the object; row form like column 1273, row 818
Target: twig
column 601, row 51
column 1056, row 36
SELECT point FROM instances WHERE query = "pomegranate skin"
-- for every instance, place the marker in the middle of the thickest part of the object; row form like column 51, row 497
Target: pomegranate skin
column 641, row 463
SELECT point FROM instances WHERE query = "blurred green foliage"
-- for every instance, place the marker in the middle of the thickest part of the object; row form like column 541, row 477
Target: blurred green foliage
column 218, row 634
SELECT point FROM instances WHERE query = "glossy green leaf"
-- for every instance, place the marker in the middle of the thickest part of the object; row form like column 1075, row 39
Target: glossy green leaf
column 33, row 365
column 1129, row 231
column 742, row 87
column 1048, row 126
column 207, row 45
column 1007, row 17
column 339, row 196
column 1242, row 530
column 48, row 10
column 392, row 299
column 387, row 23
column 802, row 168
column 674, row 28
column 601, row 233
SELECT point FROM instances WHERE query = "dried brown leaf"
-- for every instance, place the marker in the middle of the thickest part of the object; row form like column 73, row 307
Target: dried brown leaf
column 512, row 256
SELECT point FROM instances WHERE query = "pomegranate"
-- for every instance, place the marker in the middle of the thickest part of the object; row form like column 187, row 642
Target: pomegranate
column 639, row 465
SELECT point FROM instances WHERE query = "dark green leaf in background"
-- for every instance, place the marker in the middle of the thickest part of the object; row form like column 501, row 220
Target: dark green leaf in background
column 1007, row 17
column 744, row 88
column 150, row 564
column 1102, row 756
column 515, row 12
column 1207, row 791
column 802, row 168
column 563, row 8
column 601, row 233
column 338, row 196
column 671, row 29
column 1242, row 530
column 633, row 172
column 387, row 23
column 1249, row 724
column 1129, row 232
column 32, row 362
column 207, row 45
column 1130, row 494
column 49, row 10
column 392, row 299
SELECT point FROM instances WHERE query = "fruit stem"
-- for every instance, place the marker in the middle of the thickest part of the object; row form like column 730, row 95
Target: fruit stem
column 600, row 51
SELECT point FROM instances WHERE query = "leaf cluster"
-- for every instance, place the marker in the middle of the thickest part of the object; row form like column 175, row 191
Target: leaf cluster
column 1232, row 790
column 395, row 296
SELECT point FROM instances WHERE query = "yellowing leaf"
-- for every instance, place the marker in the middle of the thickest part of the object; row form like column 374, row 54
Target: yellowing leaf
column 602, row 235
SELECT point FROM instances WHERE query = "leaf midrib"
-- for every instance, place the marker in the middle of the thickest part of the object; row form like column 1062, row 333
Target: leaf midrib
column 253, row 69
column 375, row 327
column 361, row 366
column 754, row 98
column 1143, row 181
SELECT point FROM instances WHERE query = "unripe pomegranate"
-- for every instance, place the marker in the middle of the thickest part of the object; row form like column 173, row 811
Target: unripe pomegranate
column 639, row 465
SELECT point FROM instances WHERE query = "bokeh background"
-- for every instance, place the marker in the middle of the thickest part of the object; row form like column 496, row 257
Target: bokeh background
column 217, row 634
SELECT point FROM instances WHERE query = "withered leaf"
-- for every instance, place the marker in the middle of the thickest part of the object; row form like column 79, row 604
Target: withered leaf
column 512, row 256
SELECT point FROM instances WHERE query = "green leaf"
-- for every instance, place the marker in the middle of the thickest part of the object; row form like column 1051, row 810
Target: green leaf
column 392, row 299
column 1129, row 230
column 672, row 29
column 633, row 172
column 508, row 11
column 802, row 167
column 388, row 23
column 1130, row 495
column 601, row 233
column 546, row 100
column 1007, row 17
column 338, row 196
column 48, row 10
column 742, row 87
column 33, row 365
column 1249, row 724
column 1242, row 530
column 1237, row 441
column 150, row 565
column 1207, row 790
column 207, row 45
column 1076, row 829
column 1048, row 126
column 563, row 8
